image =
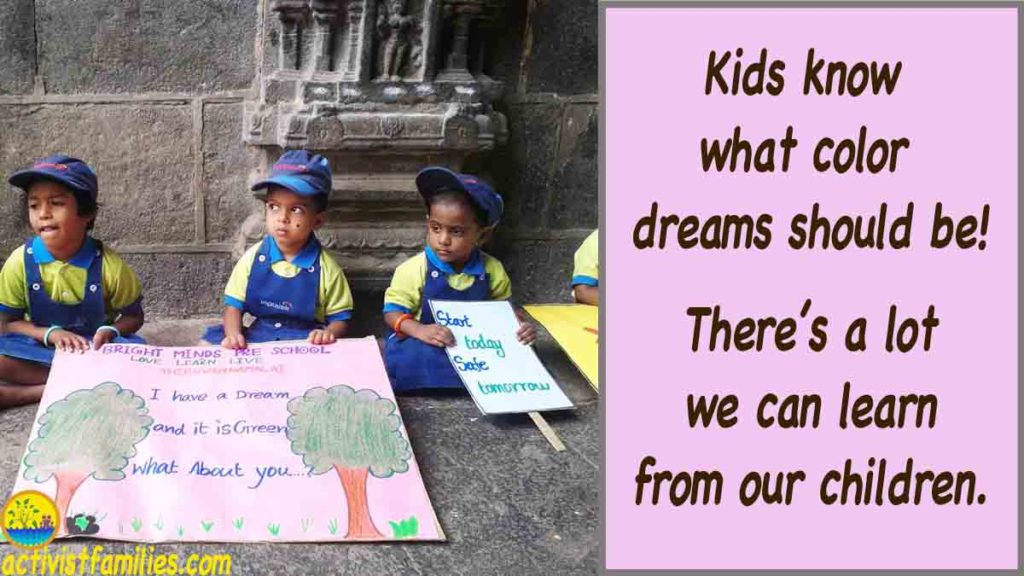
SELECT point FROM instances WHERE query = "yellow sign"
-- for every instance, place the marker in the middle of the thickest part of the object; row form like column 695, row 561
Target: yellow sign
column 30, row 519
column 574, row 327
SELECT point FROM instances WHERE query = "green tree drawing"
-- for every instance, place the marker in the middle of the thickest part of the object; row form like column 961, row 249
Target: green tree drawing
column 355, row 434
column 90, row 433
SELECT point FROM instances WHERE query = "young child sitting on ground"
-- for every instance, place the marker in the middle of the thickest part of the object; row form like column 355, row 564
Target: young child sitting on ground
column 62, row 289
column 293, row 287
column 462, row 211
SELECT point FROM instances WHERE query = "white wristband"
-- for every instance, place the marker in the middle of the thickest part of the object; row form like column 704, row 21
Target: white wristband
column 46, row 337
column 113, row 329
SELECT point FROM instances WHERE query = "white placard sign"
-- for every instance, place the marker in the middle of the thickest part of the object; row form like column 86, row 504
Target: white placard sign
column 502, row 375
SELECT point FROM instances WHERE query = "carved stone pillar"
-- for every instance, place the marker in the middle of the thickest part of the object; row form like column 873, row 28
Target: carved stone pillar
column 289, row 14
column 325, row 15
column 356, row 11
column 365, row 96
column 463, row 12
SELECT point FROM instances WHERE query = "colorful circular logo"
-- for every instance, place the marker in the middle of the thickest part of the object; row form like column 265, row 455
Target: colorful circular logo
column 30, row 519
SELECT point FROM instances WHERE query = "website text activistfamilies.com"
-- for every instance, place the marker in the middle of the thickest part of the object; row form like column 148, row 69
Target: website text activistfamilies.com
column 94, row 561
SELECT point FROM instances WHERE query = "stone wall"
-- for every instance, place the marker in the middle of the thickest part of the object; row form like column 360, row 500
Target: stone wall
column 548, row 170
column 152, row 93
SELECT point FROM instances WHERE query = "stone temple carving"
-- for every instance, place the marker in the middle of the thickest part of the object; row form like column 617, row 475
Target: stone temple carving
column 382, row 88
column 335, row 62
column 393, row 27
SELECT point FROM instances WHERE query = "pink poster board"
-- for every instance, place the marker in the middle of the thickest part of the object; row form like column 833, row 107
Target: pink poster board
column 281, row 442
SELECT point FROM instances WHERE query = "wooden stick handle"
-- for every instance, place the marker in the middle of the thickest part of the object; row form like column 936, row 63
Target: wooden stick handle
column 547, row 431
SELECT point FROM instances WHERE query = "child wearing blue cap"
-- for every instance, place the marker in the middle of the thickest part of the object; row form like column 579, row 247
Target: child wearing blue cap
column 62, row 289
column 292, row 286
column 585, row 274
column 462, row 210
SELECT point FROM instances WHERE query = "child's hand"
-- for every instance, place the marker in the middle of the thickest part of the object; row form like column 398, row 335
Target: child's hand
column 233, row 342
column 435, row 335
column 526, row 333
column 321, row 336
column 67, row 341
column 102, row 337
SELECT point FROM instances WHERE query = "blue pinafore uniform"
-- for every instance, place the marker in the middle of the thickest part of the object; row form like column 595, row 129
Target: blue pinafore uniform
column 413, row 364
column 82, row 318
column 285, row 308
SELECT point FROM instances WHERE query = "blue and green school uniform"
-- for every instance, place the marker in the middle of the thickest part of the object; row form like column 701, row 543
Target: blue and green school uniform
column 411, row 363
column 585, row 262
column 288, row 299
column 91, row 289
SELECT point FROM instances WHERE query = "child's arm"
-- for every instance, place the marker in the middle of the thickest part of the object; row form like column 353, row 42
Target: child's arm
column 405, row 294
column 501, row 289
column 334, row 302
column 586, row 271
column 330, row 333
column 586, row 294
column 13, row 302
column 59, row 339
column 126, row 323
column 233, row 337
column 234, row 300
column 433, row 334
column 527, row 332
column 122, row 293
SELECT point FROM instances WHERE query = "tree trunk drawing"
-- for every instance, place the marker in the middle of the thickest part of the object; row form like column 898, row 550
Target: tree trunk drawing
column 67, row 484
column 360, row 525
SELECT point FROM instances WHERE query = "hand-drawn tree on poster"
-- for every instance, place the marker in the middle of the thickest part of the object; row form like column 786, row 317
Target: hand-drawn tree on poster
column 355, row 434
column 89, row 433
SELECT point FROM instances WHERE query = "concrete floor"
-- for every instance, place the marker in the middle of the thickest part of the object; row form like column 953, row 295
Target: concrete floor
column 508, row 503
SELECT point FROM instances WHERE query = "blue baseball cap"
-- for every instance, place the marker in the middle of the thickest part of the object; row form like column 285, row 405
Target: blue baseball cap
column 434, row 179
column 60, row 168
column 300, row 171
